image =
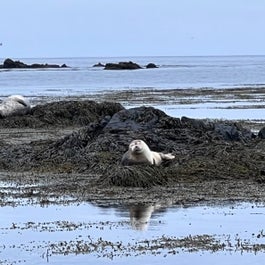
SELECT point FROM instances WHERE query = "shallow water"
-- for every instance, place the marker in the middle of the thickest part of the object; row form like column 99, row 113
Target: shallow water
column 53, row 234
column 173, row 72
column 213, row 111
column 83, row 80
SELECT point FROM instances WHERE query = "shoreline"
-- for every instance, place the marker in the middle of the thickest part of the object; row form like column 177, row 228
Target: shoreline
column 60, row 156
column 237, row 104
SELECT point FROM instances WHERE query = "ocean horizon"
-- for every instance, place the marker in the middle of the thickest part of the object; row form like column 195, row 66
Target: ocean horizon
column 173, row 72
column 191, row 73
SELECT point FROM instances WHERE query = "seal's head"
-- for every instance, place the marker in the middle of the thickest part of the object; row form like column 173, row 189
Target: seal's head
column 138, row 147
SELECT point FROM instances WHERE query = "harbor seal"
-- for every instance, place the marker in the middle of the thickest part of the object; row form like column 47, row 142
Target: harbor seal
column 140, row 153
column 14, row 105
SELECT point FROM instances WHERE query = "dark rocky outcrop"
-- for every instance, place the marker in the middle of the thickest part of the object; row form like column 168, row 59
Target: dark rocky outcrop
column 233, row 132
column 122, row 66
column 147, row 119
column 62, row 114
column 203, row 150
column 10, row 64
column 261, row 133
column 99, row 65
column 151, row 65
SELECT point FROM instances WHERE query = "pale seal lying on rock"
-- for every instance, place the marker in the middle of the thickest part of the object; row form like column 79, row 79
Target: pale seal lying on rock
column 14, row 105
column 140, row 153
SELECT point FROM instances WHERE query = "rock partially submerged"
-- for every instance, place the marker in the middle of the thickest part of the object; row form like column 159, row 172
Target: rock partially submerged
column 151, row 65
column 122, row 66
column 9, row 64
column 99, row 65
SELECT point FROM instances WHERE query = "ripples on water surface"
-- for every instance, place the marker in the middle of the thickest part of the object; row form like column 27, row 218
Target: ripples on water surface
column 173, row 72
column 58, row 234
column 83, row 80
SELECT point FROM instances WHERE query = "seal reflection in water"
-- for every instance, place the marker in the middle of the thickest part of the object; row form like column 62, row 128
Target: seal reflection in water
column 140, row 216
column 140, row 153
column 14, row 105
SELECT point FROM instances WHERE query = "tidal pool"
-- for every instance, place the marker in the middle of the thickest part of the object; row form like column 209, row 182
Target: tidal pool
column 150, row 234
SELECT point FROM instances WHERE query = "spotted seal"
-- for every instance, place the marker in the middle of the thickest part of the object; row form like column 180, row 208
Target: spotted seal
column 140, row 153
column 14, row 105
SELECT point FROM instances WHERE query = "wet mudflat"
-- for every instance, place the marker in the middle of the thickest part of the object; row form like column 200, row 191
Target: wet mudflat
column 242, row 103
column 58, row 205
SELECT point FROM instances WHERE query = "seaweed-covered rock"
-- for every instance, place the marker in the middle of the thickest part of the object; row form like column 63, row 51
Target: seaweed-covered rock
column 233, row 131
column 104, row 141
column 261, row 133
column 203, row 149
column 137, row 176
column 160, row 131
column 62, row 114
column 140, row 119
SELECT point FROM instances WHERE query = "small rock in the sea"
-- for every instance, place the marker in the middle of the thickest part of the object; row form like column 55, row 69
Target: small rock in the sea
column 122, row 66
column 99, row 65
column 151, row 65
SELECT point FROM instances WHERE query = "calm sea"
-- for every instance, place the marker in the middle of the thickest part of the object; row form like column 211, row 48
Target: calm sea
column 81, row 78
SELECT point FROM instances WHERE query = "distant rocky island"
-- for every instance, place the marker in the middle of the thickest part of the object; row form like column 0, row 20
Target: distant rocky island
column 124, row 66
column 10, row 64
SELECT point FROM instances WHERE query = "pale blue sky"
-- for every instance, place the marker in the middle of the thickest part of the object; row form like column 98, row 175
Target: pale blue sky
column 70, row 28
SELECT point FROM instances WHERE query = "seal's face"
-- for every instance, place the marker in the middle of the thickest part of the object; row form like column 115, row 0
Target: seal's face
column 137, row 146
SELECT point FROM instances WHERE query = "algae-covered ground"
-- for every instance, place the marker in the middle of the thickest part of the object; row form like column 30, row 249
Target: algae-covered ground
column 69, row 151
column 74, row 147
